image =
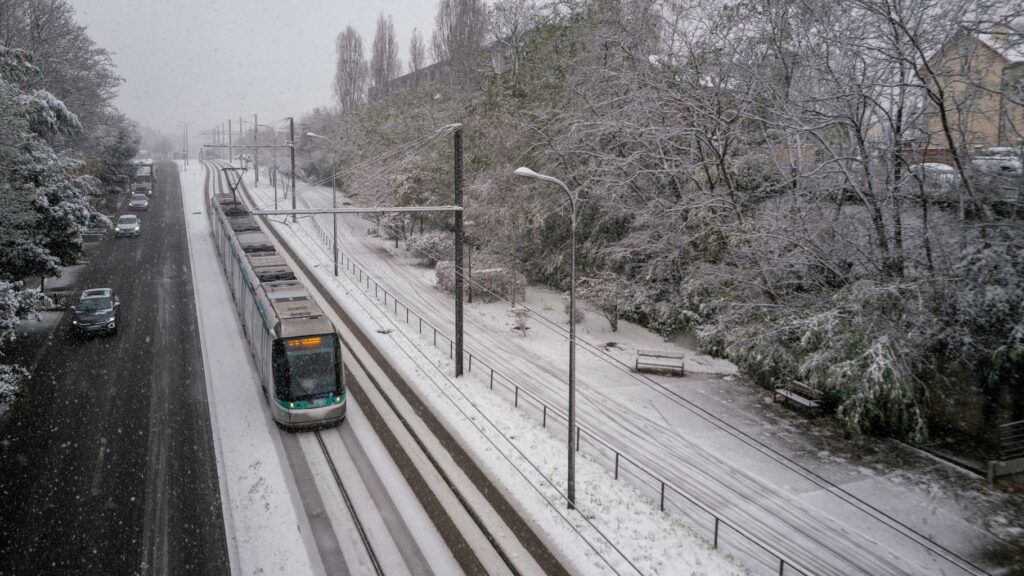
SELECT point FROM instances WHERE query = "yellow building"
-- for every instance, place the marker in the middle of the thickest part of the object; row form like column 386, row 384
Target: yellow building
column 982, row 76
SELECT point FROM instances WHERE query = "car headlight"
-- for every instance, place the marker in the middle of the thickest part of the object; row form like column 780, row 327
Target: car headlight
column 75, row 322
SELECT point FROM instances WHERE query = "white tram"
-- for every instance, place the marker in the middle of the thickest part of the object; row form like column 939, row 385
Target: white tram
column 295, row 347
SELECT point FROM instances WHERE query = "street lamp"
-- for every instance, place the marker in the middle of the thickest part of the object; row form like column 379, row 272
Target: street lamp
column 571, row 484
column 334, row 200
column 185, row 125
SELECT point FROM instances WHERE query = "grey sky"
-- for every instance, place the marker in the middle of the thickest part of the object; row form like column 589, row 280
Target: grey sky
column 206, row 61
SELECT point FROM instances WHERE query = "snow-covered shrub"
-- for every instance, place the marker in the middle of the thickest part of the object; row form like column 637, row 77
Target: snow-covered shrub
column 433, row 247
column 756, row 174
column 608, row 294
column 581, row 314
column 11, row 378
column 489, row 284
column 16, row 304
column 520, row 315
column 445, row 274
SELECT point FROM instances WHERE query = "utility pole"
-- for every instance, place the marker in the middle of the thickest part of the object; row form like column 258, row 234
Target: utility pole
column 231, row 154
column 334, row 204
column 291, row 132
column 256, row 141
column 459, row 269
column 241, row 140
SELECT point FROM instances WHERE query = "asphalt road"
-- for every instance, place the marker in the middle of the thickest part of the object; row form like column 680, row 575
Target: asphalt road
column 107, row 463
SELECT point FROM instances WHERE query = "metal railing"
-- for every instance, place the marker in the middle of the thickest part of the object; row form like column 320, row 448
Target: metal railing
column 1011, row 440
column 750, row 549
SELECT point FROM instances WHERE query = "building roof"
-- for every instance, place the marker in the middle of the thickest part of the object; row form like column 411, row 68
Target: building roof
column 1006, row 40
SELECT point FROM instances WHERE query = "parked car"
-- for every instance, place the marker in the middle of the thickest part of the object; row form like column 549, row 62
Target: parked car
column 997, row 165
column 96, row 311
column 940, row 182
column 1000, row 179
column 138, row 202
column 128, row 225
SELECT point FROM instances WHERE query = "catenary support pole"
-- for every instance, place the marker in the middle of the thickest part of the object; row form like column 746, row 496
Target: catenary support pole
column 334, row 204
column 459, row 269
column 256, row 141
column 291, row 132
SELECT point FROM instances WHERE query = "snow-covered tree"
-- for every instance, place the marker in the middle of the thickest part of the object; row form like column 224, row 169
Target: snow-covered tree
column 16, row 304
column 385, row 64
column 609, row 294
column 45, row 195
column 351, row 72
column 417, row 52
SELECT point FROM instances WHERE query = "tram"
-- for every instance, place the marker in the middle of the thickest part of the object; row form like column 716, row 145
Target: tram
column 295, row 347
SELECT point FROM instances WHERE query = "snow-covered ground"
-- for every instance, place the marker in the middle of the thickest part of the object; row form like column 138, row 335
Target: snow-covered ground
column 620, row 531
column 792, row 483
column 266, row 533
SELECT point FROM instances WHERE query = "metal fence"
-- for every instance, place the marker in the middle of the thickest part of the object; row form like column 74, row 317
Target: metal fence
column 725, row 535
column 1011, row 440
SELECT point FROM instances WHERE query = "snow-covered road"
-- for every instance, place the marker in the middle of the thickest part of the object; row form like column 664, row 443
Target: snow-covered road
column 819, row 526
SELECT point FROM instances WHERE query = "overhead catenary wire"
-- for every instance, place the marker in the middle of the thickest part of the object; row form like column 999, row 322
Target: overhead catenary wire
column 683, row 402
column 430, row 367
column 403, row 149
column 727, row 427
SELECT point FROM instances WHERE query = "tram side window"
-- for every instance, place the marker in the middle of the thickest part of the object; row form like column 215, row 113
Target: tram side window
column 306, row 367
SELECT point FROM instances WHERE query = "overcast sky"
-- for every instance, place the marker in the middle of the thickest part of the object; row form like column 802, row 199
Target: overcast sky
column 206, row 61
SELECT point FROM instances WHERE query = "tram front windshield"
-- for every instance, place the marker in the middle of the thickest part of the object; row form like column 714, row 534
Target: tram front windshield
column 310, row 369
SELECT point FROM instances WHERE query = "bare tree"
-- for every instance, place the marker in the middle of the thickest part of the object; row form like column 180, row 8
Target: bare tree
column 352, row 71
column 417, row 52
column 460, row 27
column 510, row 21
column 384, row 62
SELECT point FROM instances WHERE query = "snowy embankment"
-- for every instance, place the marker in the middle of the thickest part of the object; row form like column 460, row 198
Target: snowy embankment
column 266, row 528
column 834, row 504
column 617, row 529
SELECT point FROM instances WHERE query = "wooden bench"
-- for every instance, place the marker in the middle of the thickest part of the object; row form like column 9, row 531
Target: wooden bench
column 659, row 361
column 799, row 394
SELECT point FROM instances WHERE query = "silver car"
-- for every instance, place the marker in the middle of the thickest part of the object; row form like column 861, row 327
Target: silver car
column 128, row 225
column 138, row 202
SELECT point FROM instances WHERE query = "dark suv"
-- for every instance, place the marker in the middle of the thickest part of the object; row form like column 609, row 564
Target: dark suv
column 97, row 311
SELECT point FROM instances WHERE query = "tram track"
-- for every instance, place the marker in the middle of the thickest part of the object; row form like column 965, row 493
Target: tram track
column 335, row 562
column 478, row 524
column 364, row 537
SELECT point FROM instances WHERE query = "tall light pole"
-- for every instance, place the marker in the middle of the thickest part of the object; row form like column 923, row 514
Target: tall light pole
column 256, row 141
column 291, row 136
column 571, row 484
column 334, row 199
column 272, row 176
column 185, row 126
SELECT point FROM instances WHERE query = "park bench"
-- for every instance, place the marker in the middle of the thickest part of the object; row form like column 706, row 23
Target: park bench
column 799, row 394
column 659, row 361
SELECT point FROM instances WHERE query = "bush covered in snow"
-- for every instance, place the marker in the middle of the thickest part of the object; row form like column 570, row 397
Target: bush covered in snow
column 433, row 247
column 489, row 284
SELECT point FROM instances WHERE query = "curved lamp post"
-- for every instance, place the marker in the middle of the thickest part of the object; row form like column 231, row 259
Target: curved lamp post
column 571, row 484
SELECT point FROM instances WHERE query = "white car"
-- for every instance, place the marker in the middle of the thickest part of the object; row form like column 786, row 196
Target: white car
column 1006, row 166
column 128, row 225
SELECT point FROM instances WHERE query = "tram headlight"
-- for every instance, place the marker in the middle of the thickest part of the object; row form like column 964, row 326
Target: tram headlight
column 291, row 404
